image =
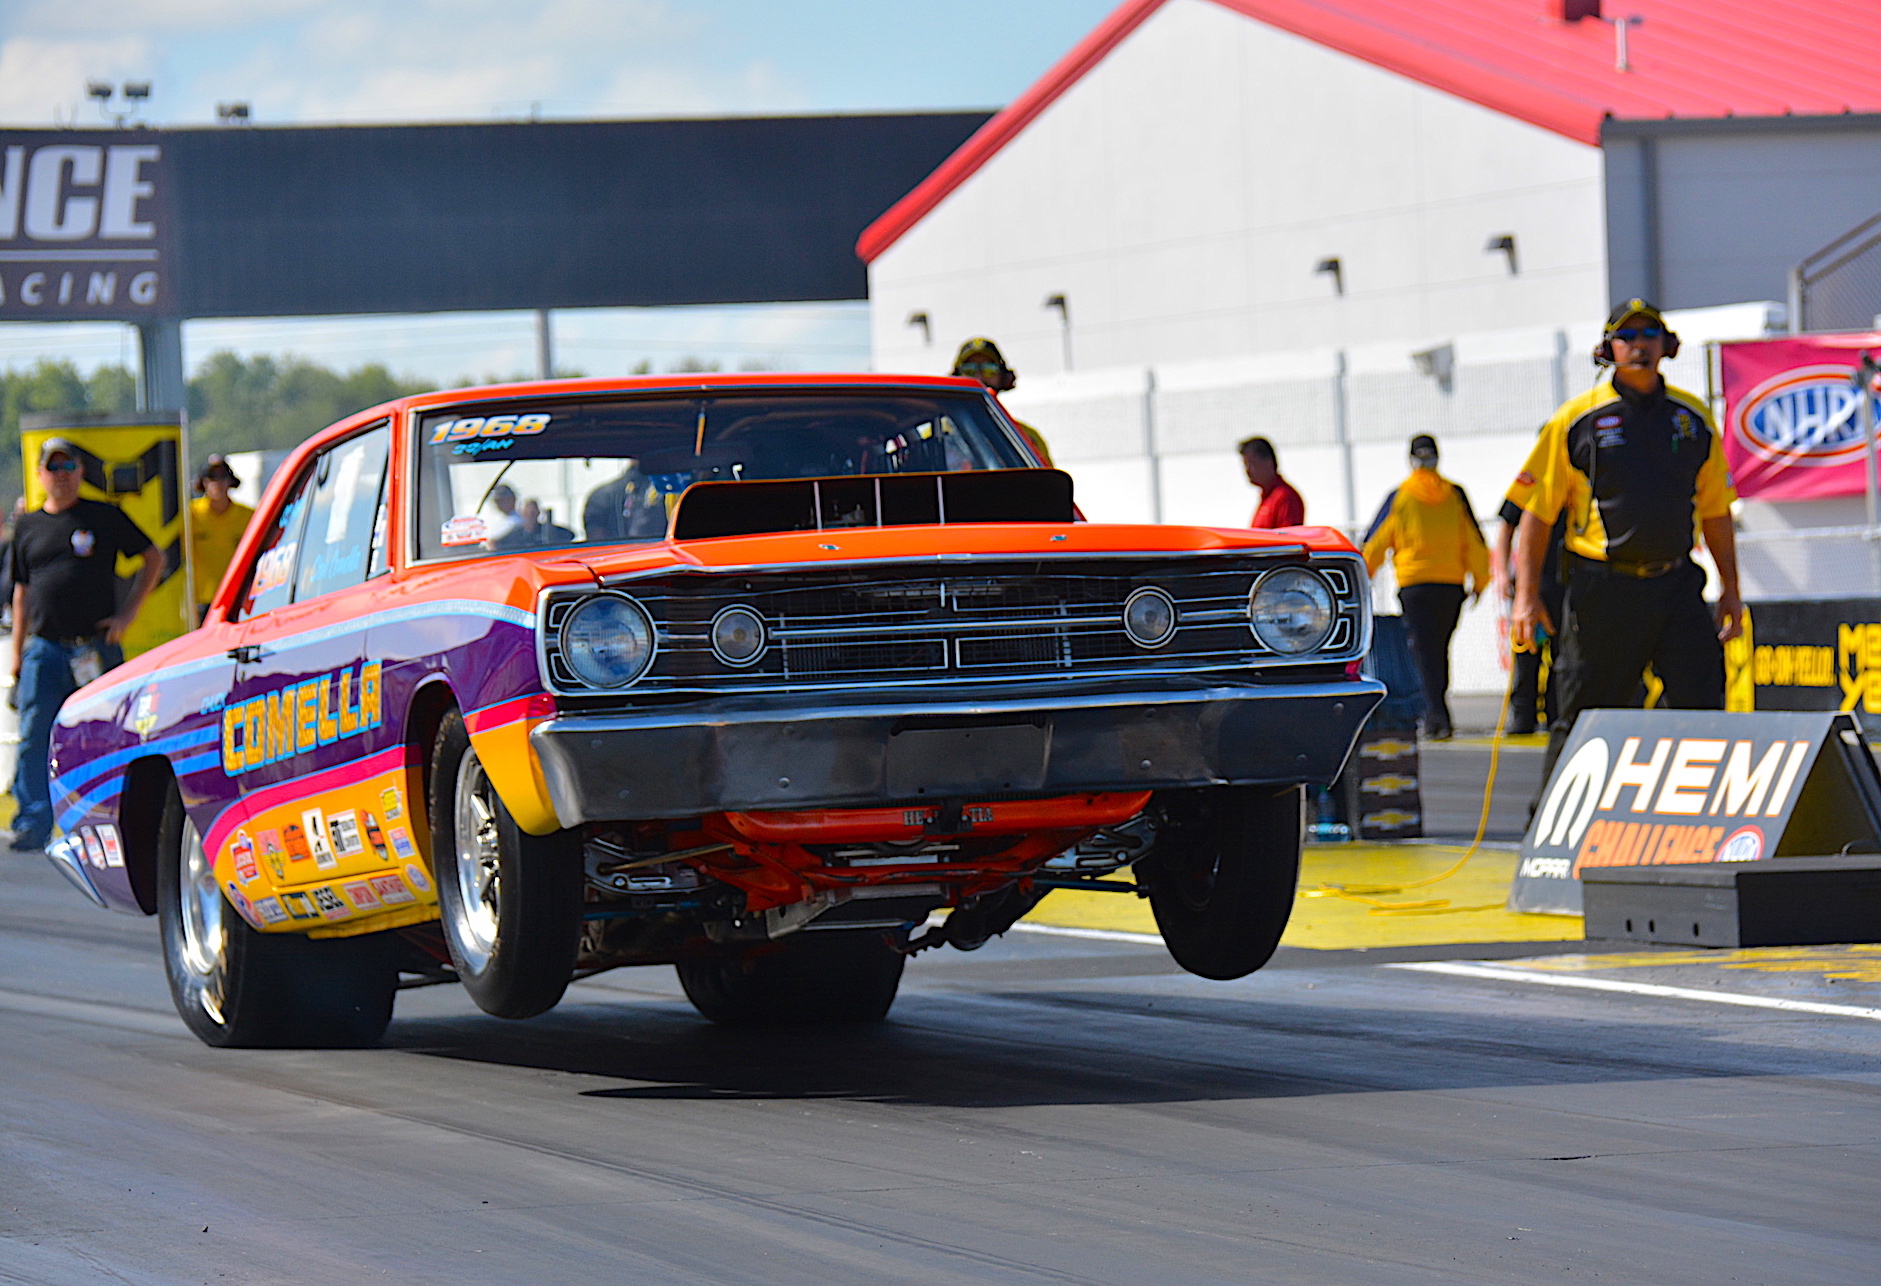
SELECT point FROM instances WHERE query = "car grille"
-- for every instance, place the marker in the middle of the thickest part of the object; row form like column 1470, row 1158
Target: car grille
column 874, row 624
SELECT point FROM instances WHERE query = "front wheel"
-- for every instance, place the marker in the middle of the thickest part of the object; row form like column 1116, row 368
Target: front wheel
column 509, row 901
column 809, row 977
column 237, row 988
column 1222, row 875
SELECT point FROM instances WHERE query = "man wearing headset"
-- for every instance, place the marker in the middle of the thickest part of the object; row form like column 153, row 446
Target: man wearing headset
column 1639, row 468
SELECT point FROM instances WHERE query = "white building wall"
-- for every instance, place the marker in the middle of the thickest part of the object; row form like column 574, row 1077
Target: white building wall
column 1180, row 194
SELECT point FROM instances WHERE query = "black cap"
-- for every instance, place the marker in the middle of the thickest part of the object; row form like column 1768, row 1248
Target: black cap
column 1634, row 308
column 1424, row 445
column 216, row 466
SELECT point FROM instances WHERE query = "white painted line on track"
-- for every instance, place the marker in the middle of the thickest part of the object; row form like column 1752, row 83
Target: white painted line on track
column 1095, row 935
column 1465, row 970
column 99, row 1015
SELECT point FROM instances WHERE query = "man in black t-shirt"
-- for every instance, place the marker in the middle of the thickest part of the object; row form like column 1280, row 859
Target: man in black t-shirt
column 67, row 622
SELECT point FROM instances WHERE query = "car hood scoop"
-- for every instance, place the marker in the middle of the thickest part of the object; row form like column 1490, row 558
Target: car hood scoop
column 888, row 500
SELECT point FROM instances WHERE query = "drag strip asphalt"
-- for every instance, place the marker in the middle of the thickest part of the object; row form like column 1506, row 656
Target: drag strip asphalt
column 1048, row 1109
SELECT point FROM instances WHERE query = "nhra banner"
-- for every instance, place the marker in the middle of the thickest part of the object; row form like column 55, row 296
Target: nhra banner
column 1675, row 787
column 1792, row 419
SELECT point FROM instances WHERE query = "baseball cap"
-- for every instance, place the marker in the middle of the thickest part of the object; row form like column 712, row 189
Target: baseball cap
column 1634, row 308
column 1424, row 445
column 56, row 446
column 217, row 466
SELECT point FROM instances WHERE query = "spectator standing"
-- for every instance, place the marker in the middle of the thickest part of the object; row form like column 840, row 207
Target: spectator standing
column 1638, row 467
column 1437, row 550
column 1281, row 505
column 980, row 359
column 67, row 622
column 216, row 524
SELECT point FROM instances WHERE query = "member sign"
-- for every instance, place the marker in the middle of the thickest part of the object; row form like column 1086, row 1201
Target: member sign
column 83, row 225
column 1664, row 787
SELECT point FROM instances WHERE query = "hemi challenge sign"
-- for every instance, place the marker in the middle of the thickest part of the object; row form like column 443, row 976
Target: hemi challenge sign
column 1793, row 427
column 83, row 225
column 1670, row 787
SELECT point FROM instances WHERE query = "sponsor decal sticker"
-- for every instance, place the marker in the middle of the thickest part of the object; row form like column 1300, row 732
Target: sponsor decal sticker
column 270, row 911
column 360, row 893
column 331, row 905
column 391, row 889
column 465, row 529
column 300, row 906
column 273, row 854
column 144, row 714
column 94, row 848
column 416, row 874
column 344, row 827
column 314, row 824
column 401, row 843
column 389, row 801
column 272, row 569
column 240, row 902
column 113, row 847
column 242, row 850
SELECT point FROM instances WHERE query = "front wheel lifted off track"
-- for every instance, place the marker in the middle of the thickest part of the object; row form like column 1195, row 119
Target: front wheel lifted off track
column 236, row 987
column 813, row 977
column 1221, row 877
column 509, row 901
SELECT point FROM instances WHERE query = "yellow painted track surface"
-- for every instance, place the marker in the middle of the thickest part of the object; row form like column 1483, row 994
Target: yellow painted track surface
column 1475, row 894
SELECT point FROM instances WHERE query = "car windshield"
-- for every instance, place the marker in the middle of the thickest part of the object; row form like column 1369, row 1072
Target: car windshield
column 494, row 478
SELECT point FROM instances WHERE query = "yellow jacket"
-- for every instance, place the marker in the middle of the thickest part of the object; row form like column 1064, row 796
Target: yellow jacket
column 1429, row 529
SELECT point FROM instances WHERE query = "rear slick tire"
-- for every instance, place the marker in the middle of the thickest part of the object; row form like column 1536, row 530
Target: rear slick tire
column 809, row 977
column 1221, row 878
column 509, row 901
column 235, row 987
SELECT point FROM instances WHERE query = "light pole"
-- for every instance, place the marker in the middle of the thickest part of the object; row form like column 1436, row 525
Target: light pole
column 1064, row 320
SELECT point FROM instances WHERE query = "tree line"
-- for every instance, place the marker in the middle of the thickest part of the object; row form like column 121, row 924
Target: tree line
column 235, row 403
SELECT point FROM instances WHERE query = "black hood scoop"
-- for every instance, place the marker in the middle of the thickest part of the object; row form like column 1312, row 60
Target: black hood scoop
column 887, row 500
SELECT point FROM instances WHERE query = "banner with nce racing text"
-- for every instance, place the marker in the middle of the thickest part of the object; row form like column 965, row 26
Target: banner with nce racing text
column 1664, row 787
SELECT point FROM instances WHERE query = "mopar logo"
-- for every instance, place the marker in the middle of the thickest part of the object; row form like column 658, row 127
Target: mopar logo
column 1570, row 805
column 1807, row 417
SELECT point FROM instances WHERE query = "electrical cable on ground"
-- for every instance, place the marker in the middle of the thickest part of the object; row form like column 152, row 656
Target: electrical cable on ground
column 1369, row 895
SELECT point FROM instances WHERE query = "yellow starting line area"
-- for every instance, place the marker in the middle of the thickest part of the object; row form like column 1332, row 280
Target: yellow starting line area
column 1391, row 901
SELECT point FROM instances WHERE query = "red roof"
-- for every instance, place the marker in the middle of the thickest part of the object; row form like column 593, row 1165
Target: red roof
column 1691, row 58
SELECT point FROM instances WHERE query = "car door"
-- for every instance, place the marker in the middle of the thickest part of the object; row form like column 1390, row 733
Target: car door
column 316, row 756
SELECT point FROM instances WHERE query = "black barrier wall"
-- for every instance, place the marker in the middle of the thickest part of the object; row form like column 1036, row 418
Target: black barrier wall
column 394, row 219
column 1811, row 655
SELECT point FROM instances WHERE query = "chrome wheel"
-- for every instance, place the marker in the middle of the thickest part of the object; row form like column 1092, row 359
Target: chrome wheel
column 478, row 857
column 205, row 931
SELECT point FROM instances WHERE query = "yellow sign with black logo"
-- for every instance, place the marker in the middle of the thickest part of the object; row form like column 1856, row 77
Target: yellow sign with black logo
column 137, row 465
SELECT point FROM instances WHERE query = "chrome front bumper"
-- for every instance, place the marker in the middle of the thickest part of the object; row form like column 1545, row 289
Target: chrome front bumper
column 740, row 755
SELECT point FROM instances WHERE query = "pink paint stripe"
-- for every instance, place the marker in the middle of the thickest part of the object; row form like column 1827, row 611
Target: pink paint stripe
column 501, row 713
column 288, row 792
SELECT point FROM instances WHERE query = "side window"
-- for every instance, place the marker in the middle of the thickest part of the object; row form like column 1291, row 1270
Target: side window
column 271, row 583
column 337, row 545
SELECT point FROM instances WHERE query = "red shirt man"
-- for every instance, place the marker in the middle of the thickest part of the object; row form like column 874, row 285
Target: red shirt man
column 1280, row 505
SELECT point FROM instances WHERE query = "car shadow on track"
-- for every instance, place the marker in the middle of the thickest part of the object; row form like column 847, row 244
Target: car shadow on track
column 1097, row 1046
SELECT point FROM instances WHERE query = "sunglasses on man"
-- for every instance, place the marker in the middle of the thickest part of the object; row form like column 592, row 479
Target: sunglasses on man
column 1634, row 334
column 60, row 466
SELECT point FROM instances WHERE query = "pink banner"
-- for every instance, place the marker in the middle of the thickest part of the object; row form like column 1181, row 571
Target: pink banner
column 1793, row 427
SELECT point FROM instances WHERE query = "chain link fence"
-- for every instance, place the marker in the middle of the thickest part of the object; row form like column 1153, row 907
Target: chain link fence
column 1839, row 287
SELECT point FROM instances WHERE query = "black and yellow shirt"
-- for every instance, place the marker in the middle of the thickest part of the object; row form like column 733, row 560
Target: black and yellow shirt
column 1636, row 472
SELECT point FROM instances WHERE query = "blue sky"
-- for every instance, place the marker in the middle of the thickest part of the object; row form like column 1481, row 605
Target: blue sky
column 356, row 61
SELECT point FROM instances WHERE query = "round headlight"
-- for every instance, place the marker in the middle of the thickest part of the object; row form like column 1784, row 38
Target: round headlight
column 607, row 642
column 1149, row 617
column 1291, row 610
column 738, row 636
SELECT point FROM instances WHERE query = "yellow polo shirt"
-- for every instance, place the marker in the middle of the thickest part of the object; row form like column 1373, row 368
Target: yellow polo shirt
column 213, row 537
